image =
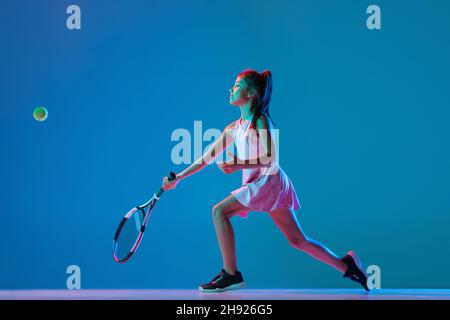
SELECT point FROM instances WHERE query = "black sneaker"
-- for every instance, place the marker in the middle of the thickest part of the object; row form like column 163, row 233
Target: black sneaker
column 223, row 281
column 355, row 270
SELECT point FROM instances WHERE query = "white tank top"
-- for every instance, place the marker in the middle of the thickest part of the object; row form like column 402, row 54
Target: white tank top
column 250, row 146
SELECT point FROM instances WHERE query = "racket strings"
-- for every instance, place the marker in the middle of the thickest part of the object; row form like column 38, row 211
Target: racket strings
column 131, row 230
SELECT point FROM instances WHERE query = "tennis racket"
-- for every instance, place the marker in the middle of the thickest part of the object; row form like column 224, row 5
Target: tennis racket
column 131, row 229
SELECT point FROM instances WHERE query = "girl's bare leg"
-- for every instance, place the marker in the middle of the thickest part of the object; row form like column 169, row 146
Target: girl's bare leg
column 287, row 222
column 222, row 213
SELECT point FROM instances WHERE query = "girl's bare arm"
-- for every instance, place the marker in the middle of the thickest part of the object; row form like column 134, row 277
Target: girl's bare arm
column 221, row 143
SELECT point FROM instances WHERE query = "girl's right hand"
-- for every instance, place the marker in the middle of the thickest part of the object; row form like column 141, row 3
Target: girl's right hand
column 169, row 185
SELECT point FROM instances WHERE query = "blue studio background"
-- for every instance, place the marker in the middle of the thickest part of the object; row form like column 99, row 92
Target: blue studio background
column 364, row 137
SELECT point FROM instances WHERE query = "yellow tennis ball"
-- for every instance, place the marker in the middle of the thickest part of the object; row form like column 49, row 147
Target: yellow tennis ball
column 40, row 114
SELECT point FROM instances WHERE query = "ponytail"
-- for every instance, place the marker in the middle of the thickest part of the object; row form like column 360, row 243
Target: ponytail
column 262, row 105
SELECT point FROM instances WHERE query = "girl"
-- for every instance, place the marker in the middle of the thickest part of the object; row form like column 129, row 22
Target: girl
column 265, row 186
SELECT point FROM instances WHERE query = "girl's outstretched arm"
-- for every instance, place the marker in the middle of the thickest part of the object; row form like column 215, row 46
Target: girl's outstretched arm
column 216, row 148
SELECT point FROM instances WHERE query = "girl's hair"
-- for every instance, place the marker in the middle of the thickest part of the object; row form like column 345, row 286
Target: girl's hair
column 262, row 83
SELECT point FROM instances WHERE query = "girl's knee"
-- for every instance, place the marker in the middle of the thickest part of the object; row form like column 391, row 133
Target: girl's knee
column 298, row 243
column 217, row 212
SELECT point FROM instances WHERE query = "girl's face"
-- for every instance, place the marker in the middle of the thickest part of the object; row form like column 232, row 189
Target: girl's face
column 239, row 93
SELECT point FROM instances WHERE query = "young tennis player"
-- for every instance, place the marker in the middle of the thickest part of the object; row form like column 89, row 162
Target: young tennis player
column 265, row 186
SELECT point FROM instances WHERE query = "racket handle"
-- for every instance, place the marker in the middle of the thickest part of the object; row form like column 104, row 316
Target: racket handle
column 172, row 176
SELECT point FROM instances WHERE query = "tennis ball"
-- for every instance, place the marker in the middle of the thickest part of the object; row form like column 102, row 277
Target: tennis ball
column 40, row 114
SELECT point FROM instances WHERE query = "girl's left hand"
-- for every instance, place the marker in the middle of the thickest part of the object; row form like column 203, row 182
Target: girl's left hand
column 230, row 166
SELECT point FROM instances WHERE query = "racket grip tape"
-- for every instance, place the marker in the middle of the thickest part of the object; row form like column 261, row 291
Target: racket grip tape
column 172, row 176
